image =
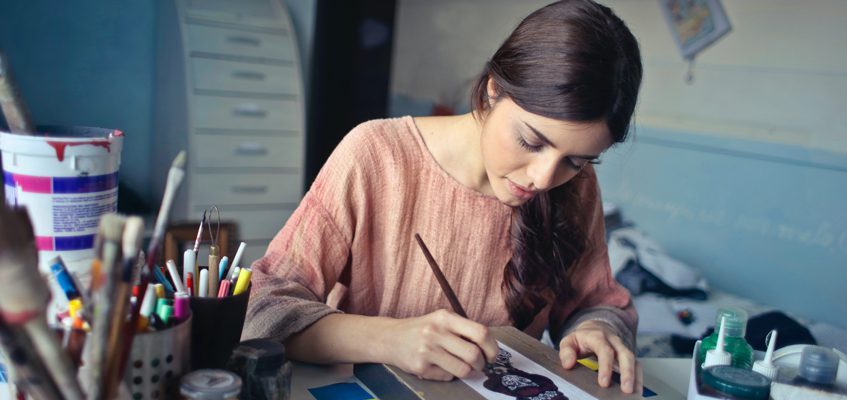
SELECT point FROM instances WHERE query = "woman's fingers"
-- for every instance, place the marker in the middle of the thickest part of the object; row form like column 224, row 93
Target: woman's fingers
column 445, row 343
column 568, row 351
column 639, row 378
column 472, row 332
column 464, row 350
column 593, row 337
column 626, row 364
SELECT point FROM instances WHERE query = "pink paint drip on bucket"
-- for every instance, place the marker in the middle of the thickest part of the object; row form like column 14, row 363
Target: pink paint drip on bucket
column 67, row 178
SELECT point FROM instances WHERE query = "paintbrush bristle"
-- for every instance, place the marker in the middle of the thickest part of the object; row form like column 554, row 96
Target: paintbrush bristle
column 133, row 236
column 179, row 161
column 112, row 227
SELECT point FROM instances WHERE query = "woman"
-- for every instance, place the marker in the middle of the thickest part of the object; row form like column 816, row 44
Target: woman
column 505, row 198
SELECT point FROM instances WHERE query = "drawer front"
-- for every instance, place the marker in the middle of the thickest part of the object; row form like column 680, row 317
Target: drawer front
column 212, row 112
column 239, row 43
column 234, row 76
column 214, row 151
column 237, row 189
column 257, row 13
column 254, row 224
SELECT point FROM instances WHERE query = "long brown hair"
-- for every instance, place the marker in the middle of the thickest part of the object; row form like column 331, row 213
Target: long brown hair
column 572, row 60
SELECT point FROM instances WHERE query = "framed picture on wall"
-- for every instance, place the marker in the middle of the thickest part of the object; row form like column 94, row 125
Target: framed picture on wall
column 695, row 24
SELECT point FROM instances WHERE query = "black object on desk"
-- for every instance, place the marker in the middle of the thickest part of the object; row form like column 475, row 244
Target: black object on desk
column 264, row 369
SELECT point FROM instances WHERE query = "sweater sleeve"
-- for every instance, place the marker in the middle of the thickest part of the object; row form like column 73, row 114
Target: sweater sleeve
column 306, row 258
column 598, row 296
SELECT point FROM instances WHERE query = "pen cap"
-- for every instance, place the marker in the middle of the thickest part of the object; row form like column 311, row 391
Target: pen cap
column 818, row 365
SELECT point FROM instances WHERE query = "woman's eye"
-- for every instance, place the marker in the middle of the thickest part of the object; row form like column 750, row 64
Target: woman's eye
column 529, row 147
column 576, row 165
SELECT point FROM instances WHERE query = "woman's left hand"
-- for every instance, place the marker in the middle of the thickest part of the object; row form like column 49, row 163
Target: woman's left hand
column 598, row 338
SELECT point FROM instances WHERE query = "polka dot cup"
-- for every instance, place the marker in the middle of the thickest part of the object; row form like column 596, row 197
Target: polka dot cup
column 157, row 362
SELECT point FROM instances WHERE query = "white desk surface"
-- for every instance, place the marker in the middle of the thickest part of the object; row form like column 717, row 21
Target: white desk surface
column 673, row 372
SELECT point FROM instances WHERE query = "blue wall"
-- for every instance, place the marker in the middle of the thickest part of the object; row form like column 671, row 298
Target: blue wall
column 759, row 219
column 87, row 63
column 93, row 63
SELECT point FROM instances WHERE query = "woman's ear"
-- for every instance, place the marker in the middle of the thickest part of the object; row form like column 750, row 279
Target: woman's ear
column 492, row 90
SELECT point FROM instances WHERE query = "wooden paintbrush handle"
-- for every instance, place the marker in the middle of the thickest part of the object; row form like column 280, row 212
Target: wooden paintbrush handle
column 442, row 281
column 10, row 101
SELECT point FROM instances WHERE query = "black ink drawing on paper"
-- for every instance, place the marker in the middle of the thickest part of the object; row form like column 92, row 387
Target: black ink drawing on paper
column 506, row 379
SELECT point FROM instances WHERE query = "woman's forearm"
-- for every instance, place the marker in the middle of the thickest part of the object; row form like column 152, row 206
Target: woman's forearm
column 342, row 338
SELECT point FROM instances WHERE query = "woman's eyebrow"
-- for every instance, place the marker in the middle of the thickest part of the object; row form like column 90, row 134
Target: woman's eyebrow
column 539, row 135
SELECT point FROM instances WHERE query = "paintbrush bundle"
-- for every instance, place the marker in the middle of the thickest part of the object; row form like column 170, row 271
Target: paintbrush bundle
column 42, row 368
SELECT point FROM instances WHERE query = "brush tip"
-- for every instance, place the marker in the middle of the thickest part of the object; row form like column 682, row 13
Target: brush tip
column 112, row 227
column 133, row 235
column 179, row 160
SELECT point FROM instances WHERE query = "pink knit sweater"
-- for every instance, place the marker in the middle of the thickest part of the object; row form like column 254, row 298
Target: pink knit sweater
column 356, row 226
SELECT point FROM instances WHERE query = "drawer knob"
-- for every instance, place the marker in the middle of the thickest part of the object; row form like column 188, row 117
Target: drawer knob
column 248, row 75
column 244, row 40
column 250, row 110
column 251, row 149
column 250, row 189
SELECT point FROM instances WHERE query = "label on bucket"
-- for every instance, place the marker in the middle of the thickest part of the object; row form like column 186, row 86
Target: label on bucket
column 77, row 203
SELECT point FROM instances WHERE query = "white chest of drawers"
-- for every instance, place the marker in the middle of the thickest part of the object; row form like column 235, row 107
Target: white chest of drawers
column 229, row 91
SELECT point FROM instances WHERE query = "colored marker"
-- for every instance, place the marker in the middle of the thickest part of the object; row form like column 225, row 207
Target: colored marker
column 203, row 291
column 189, row 283
column 160, row 290
column 181, row 307
column 224, row 290
column 178, row 284
column 148, row 304
column 222, row 267
column 243, row 281
column 236, row 262
column 160, row 277
column 188, row 267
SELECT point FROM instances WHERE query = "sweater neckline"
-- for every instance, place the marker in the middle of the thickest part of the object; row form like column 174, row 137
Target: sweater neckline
column 432, row 163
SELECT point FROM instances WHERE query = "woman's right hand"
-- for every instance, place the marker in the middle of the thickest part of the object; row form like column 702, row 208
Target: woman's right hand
column 439, row 346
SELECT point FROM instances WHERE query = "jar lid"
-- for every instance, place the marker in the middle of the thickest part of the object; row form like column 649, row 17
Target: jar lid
column 819, row 365
column 738, row 382
column 210, row 384
column 260, row 355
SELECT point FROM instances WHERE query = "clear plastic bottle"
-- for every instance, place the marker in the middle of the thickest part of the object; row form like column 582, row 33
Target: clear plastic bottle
column 734, row 342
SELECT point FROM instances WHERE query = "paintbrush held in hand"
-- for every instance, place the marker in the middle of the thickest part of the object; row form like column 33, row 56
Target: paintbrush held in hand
column 448, row 291
column 24, row 296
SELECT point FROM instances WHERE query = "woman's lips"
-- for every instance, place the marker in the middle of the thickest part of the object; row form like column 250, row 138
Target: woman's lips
column 520, row 191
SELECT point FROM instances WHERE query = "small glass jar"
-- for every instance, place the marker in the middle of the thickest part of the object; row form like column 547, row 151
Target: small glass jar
column 210, row 384
column 264, row 368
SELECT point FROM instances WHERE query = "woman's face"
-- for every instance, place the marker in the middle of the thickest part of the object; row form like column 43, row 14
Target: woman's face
column 525, row 154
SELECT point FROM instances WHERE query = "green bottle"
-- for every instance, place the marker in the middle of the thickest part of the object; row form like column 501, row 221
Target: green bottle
column 734, row 342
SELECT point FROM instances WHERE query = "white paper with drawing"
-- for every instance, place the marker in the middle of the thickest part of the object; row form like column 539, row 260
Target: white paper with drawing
column 517, row 377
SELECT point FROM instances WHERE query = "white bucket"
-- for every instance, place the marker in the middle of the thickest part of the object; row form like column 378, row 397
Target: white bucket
column 66, row 177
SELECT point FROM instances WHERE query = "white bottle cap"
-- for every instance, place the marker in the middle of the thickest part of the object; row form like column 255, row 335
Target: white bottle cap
column 718, row 356
column 766, row 367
